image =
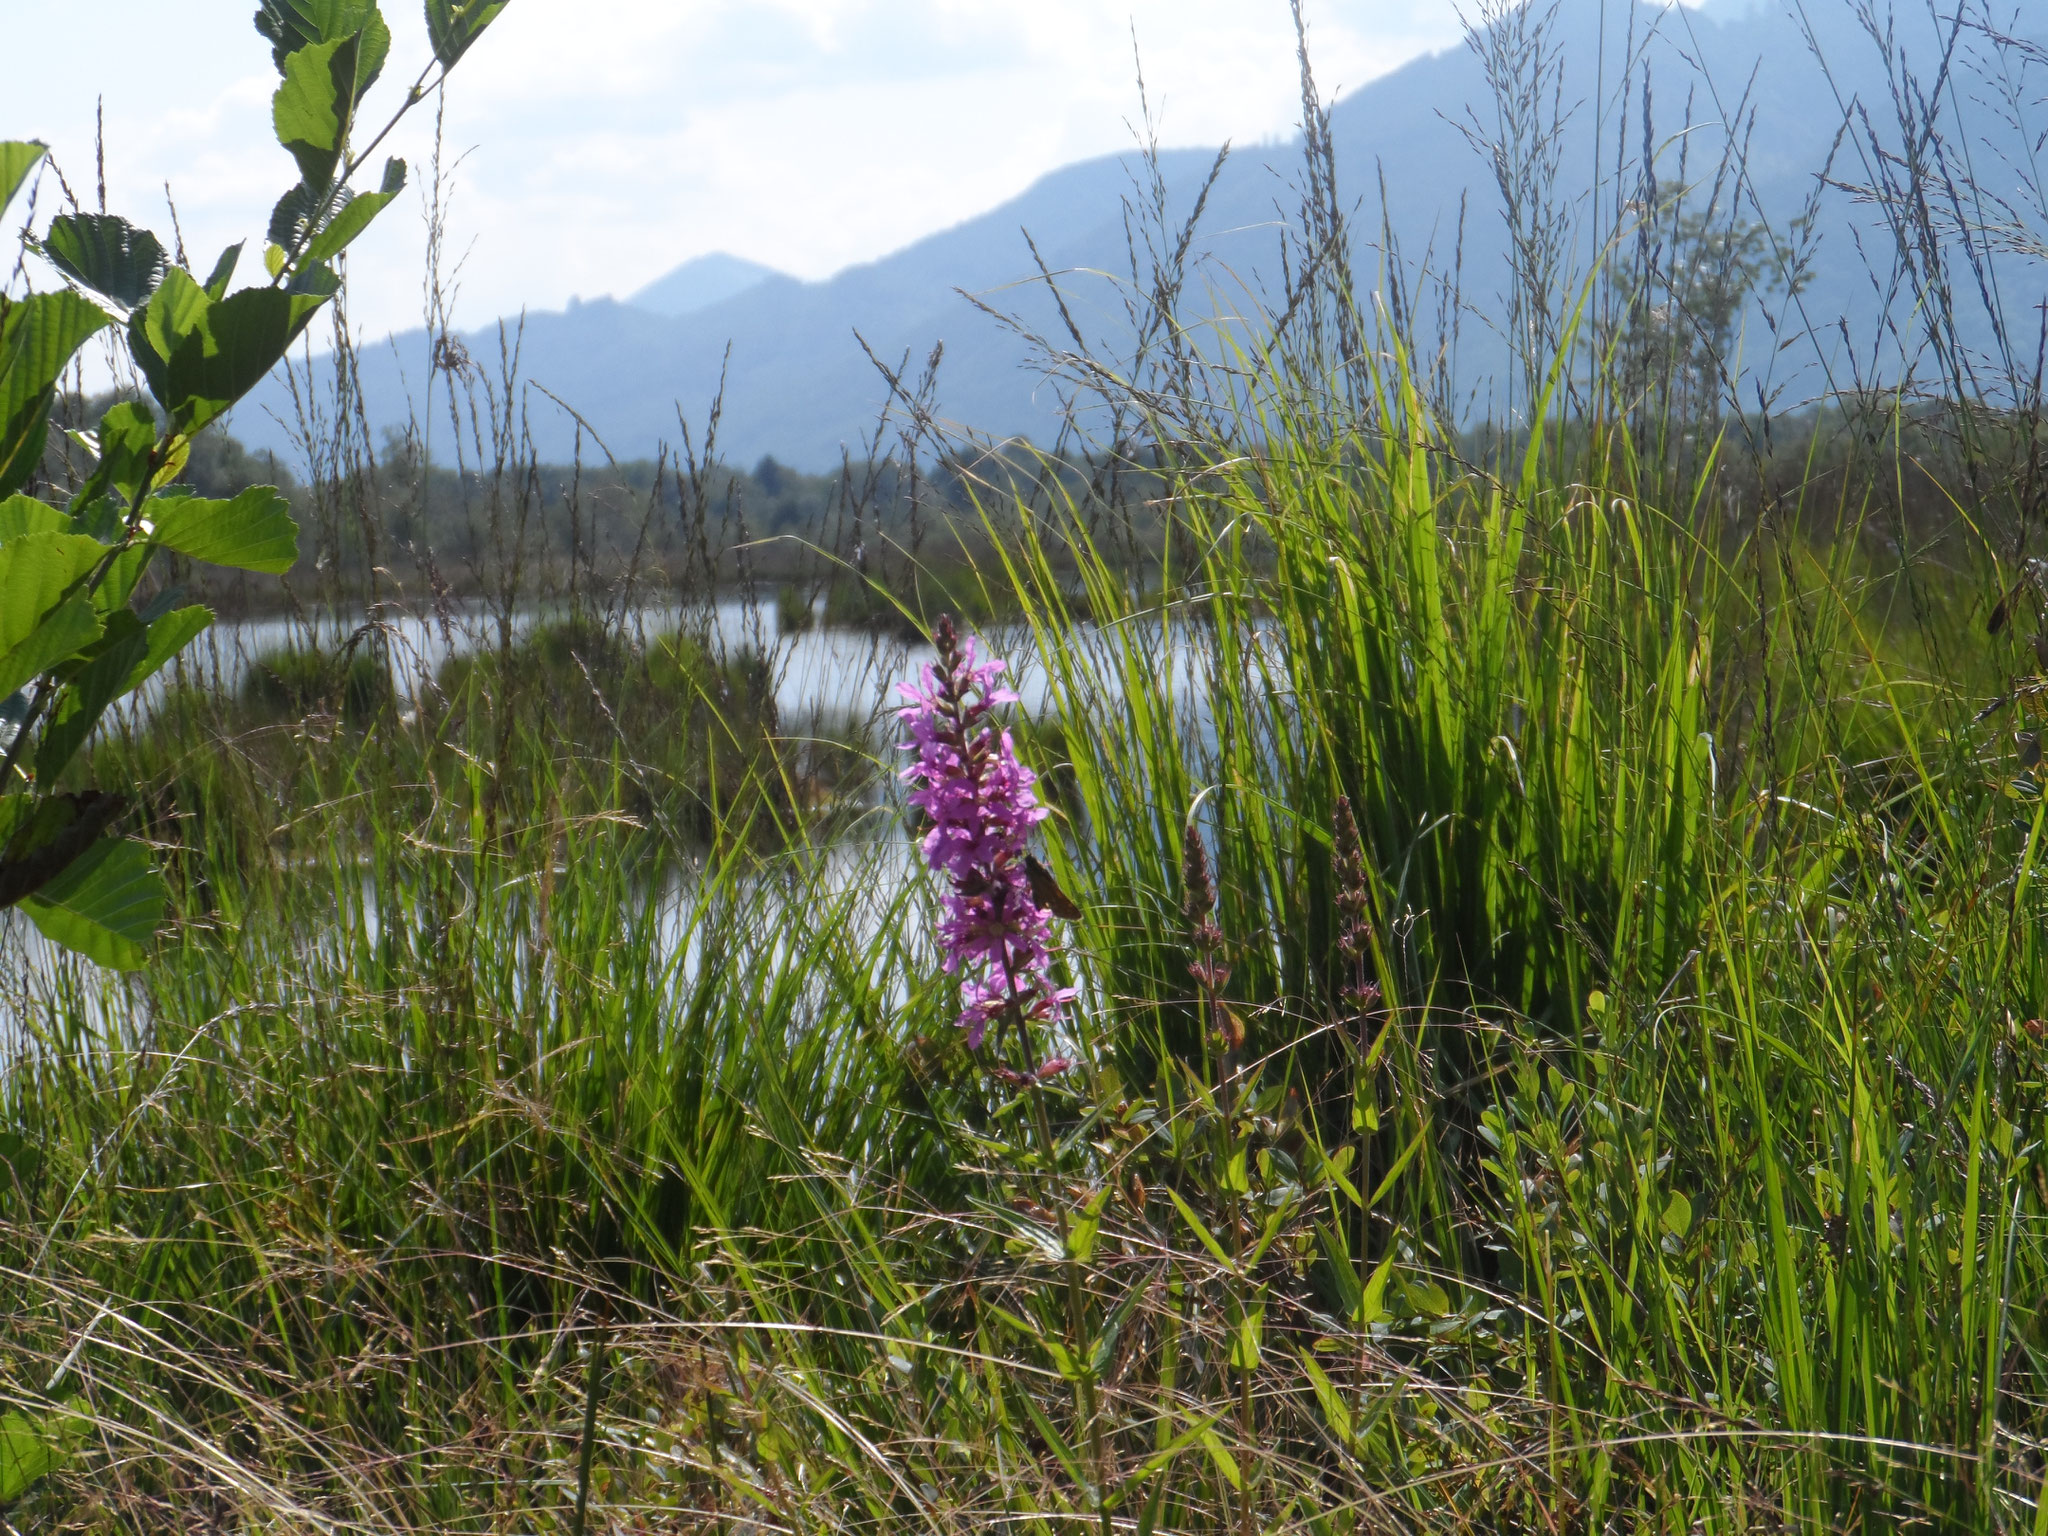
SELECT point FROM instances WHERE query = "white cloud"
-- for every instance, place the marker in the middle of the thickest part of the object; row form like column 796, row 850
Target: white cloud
column 609, row 140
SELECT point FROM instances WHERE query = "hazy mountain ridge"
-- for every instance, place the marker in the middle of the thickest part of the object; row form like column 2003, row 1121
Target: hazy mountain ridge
column 700, row 283
column 799, row 386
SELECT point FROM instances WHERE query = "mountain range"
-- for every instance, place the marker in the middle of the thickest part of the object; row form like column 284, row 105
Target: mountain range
column 1411, row 151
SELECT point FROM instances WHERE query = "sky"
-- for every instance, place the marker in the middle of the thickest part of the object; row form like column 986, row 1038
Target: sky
column 594, row 145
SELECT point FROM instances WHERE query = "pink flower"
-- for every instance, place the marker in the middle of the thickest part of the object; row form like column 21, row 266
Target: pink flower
column 982, row 804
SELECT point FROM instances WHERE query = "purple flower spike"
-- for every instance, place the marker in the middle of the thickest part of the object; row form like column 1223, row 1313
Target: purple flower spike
column 982, row 804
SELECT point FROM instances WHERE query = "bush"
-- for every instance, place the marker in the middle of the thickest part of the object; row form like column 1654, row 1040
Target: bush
column 294, row 682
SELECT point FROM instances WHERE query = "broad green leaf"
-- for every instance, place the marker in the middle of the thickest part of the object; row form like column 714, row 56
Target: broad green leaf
column 355, row 218
column 101, row 516
column 21, row 515
column 201, row 357
column 86, row 697
column 65, row 631
column 17, row 159
column 294, row 24
column 175, row 312
column 311, row 286
column 107, row 906
column 1677, row 1214
column 15, row 809
column 28, row 1454
column 247, row 334
column 36, row 570
column 453, row 25
column 125, row 442
column 177, row 454
column 313, row 107
column 292, row 220
column 107, row 254
column 124, row 573
column 167, row 637
column 254, row 532
column 224, row 272
column 41, row 836
column 38, row 338
column 1428, row 1298
column 22, row 441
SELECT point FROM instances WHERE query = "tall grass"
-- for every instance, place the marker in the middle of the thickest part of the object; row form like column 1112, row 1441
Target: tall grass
column 493, row 1148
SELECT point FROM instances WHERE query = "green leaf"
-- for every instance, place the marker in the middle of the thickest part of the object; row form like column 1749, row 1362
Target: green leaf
column 453, row 25
column 1062, row 1358
column 1245, row 1336
column 1085, row 1228
column 1274, row 1220
column 1219, row 1453
column 17, row 159
column 36, row 571
column 1372, row 1305
column 107, row 906
column 224, row 272
column 167, row 637
column 44, row 835
column 1335, row 1413
column 313, row 108
column 1201, row 1232
column 311, row 286
column 177, row 310
column 123, row 574
column 124, row 444
column 1112, row 1327
column 355, row 218
column 254, row 532
column 294, row 24
column 27, row 1455
column 98, row 684
column 1677, row 1214
column 20, row 1160
column 1069, row 1462
column 21, row 515
column 107, row 254
column 1427, row 1298
column 99, row 517
column 1168, row 1453
column 38, row 337
column 292, row 221
column 22, row 442
column 247, row 334
column 201, row 357
column 65, row 631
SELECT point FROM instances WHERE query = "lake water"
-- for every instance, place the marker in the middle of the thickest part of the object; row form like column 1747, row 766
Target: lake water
column 819, row 673
column 833, row 673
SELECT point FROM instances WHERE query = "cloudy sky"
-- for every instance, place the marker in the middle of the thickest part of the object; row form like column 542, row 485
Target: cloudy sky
column 602, row 142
